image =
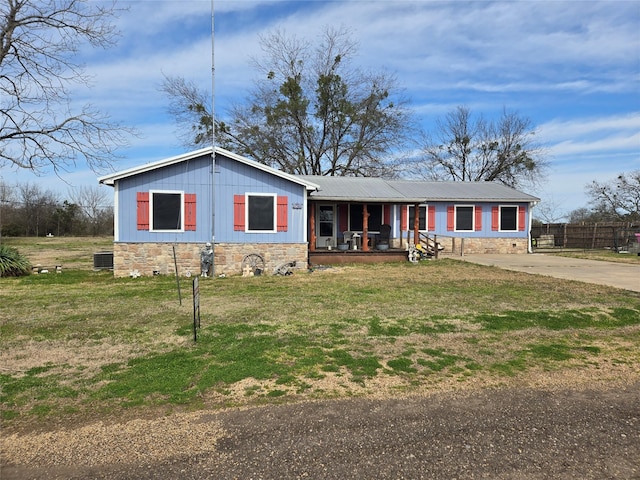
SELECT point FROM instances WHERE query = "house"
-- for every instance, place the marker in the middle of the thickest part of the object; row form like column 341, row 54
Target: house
column 466, row 217
column 166, row 211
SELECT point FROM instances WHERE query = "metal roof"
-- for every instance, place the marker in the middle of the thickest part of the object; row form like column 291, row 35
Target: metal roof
column 369, row 189
column 357, row 189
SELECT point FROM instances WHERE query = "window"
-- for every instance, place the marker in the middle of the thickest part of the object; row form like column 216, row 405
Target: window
column 422, row 217
column 325, row 220
column 261, row 213
column 464, row 218
column 166, row 211
column 508, row 219
column 356, row 214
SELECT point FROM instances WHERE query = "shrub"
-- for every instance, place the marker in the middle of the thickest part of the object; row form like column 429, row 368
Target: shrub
column 12, row 264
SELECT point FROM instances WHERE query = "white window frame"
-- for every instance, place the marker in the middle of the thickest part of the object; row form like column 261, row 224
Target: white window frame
column 500, row 207
column 426, row 216
column 275, row 212
column 473, row 217
column 182, row 211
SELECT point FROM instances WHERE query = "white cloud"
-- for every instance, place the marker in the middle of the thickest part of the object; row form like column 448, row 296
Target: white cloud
column 570, row 66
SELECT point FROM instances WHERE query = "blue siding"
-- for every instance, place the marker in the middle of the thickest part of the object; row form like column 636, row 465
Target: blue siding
column 193, row 176
column 485, row 232
column 236, row 178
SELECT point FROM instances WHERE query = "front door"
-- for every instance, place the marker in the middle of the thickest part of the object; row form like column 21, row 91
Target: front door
column 326, row 216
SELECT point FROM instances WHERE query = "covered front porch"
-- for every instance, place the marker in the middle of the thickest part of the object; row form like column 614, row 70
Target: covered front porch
column 361, row 232
column 362, row 226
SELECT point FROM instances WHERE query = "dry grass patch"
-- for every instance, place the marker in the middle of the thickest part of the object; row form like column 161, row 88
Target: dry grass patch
column 86, row 343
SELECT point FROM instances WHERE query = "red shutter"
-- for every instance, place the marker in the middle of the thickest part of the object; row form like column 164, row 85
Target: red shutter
column 431, row 218
column 283, row 205
column 238, row 212
column 495, row 218
column 142, row 200
column 521, row 218
column 451, row 218
column 189, row 211
column 404, row 217
column 478, row 210
column 343, row 217
column 387, row 214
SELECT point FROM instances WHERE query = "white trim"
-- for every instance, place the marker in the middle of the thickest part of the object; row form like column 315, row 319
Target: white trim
column 182, row 211
column 426, row 217
column 275, row 212
column 334, row 227
column 500, row 207
column 473, row 218
column 113, row 177
column 529, row 212
column 116, row 214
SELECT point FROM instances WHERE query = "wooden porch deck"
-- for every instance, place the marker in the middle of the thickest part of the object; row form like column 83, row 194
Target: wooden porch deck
column 336, row 257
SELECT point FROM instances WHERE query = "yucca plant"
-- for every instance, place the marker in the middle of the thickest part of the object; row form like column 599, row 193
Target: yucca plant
column 12, row 264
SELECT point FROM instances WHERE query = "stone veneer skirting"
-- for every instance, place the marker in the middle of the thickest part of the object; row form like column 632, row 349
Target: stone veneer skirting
column 158, row 258
column 462, row 246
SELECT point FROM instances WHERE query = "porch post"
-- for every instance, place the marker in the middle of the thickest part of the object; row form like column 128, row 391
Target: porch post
column 416, row 224
column 365, row 228
column 312, row 226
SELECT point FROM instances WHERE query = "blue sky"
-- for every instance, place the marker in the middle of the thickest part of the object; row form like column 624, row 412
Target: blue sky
column 572, row 67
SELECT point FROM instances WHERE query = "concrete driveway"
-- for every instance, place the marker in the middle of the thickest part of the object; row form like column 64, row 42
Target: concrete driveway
column 619, row 275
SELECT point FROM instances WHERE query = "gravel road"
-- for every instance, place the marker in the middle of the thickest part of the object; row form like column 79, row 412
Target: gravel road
column 505, row 433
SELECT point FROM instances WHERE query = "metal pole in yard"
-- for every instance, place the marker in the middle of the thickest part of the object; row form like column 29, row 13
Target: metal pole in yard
column 213, row 145
column 175, row 264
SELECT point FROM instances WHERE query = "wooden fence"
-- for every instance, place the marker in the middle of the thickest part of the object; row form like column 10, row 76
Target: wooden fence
column 614, row 235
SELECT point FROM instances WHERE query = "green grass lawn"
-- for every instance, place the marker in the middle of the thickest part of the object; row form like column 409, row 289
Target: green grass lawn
column 82, row 343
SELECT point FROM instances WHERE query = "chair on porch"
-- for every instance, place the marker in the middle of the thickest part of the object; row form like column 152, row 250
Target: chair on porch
column 348, row 238
column 384, row 235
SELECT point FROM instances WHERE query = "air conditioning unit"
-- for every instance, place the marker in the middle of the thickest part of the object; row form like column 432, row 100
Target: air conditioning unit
column 103, row 261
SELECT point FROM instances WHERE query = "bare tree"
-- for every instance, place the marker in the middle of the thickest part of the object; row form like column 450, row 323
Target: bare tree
column 548, row 211
column 6, row 198
column 310, row 112
column 39, row 127
column 189, row 106
column 464, row 148
column 620, row 196
column 94, row 203
column 37, row 208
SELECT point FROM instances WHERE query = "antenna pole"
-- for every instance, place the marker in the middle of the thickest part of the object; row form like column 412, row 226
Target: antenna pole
column 213, row 144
